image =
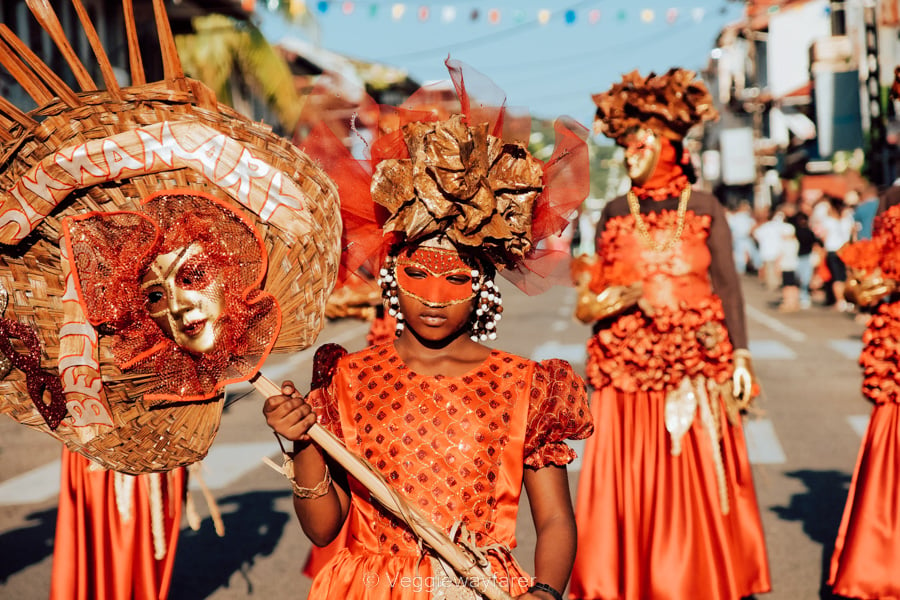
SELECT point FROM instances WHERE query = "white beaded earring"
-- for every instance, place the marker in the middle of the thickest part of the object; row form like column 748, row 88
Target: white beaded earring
column 387, row 279
column 488, row 306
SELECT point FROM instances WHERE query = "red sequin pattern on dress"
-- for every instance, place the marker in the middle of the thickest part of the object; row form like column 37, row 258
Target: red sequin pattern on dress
column 438, row 440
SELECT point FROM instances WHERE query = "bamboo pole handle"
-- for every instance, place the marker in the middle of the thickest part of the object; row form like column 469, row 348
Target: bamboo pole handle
column 461, row 561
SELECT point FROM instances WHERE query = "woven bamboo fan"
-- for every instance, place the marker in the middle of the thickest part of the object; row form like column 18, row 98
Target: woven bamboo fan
column 92, row 184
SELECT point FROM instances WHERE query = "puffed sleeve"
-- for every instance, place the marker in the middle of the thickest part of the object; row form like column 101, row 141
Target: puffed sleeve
column 327, row 373
column 557, row 411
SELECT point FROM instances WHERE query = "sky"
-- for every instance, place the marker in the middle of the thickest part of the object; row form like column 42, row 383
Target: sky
column 550, row 66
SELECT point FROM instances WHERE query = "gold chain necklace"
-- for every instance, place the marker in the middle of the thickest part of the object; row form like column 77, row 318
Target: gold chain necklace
column 635, row 207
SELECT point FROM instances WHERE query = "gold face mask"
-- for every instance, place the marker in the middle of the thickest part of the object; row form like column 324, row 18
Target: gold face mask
column 185, row 299
column 642, row 155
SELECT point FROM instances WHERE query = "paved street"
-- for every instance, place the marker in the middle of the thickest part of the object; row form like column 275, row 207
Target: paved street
column 803, row 446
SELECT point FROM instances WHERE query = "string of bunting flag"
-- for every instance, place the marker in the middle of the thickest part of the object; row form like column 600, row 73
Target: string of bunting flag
column 450, row 13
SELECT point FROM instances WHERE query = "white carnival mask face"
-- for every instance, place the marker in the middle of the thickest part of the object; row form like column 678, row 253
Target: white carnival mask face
column 185, row 298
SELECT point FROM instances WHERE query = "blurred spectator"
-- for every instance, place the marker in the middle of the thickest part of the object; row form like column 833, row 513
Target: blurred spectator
column 864, row 212
column 769, row 236
column 836, row 230
column 806, row 257
column 741, row 223
column 788, row 260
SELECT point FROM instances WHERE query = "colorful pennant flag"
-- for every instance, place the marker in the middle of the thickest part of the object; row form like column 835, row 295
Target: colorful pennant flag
column 493, row 16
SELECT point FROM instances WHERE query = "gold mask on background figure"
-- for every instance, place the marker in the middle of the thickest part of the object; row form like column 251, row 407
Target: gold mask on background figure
column 185, row 299
column 642, row 152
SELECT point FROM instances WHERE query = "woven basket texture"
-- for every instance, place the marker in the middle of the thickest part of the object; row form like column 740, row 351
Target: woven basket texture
column 301, row 268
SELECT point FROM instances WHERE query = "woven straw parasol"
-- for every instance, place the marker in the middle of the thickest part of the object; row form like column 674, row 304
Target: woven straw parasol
column 106, row 151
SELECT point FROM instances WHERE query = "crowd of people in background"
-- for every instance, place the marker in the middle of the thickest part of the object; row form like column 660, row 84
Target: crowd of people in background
column 793, row 245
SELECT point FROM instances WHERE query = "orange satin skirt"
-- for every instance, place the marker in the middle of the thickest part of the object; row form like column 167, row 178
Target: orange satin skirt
column 866, row 559
column 650, row 525
column 100, row 554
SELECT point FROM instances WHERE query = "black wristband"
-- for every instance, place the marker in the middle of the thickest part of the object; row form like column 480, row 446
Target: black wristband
column 543, row 587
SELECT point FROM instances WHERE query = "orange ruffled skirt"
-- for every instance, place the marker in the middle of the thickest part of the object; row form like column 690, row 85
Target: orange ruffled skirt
column 866, row 559
column 650, row 525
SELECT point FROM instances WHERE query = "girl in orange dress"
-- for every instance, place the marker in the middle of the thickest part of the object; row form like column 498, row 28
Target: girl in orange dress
column 866, row 558
column 456, row 427
column 665, row 507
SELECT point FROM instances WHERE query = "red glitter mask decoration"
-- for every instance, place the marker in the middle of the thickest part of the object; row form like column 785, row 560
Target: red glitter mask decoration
column 178, row 285
column 436, row 277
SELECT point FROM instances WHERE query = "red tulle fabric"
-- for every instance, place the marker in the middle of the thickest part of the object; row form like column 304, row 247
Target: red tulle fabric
column 566, row 176
column 668, row 179
column 112, row 251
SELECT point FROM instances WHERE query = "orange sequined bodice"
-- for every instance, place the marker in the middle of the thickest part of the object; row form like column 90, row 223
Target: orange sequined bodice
column 455, row 447
column 686, row 335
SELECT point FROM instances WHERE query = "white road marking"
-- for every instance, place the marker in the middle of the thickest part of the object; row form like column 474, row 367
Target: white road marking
column 573, row 353
column 770, row 350
column 763, row 447
column 774, row 324
column 32, row 486
column 859, row 423
column 225, row 464
column 848, row 348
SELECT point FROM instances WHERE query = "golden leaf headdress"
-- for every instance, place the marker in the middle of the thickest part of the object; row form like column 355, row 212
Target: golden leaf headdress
column 463, row 184
column 668, row 104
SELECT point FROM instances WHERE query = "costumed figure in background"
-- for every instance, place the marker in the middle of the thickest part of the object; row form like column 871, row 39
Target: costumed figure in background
column 168, row 245
column 665, row 506
column 866, row 558
column 453, row 425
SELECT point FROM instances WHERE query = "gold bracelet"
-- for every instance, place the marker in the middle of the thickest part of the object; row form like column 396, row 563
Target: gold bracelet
column 305, row 493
